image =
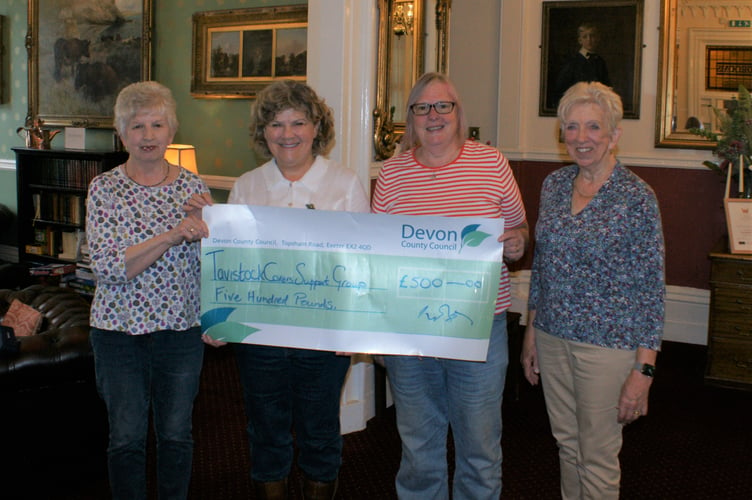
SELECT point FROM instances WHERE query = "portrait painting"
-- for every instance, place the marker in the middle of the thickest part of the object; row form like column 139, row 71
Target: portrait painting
column 591, row 41
column 82, row 53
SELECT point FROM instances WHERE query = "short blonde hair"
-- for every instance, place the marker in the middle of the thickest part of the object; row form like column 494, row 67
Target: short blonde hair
column 410, row 139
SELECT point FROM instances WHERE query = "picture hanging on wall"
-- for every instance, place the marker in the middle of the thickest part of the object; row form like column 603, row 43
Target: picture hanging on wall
column 236, row 53
column 591, row 41
column 81, row 54
column 2, row 62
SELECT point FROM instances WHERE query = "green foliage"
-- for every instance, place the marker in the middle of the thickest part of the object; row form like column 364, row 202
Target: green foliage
column 735, row 137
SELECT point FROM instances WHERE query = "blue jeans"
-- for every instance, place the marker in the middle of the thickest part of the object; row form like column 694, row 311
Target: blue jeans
column 431, row 394
column 288, row 388
column 160, row 369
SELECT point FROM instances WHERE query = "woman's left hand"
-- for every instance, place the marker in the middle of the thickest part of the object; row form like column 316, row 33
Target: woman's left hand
column 191, row 229
column 633, row 401
column 196, row 202
column 515, row 242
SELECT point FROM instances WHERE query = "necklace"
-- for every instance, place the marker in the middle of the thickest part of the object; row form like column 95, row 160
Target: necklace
column 583, row 194
column 167, row 173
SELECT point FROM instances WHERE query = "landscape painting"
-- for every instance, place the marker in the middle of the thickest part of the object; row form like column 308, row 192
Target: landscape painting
column 236, row 53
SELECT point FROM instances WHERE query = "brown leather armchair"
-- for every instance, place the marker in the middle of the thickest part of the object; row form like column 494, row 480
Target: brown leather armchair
column 52, row 420
column 60, row 353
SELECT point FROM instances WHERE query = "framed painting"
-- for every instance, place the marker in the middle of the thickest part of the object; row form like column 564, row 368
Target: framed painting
column 236, row 53
column 81, row 54
column 591, row 41
column 2, row 61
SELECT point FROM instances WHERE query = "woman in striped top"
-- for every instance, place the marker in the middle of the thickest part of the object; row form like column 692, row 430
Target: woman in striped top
column 441, row 173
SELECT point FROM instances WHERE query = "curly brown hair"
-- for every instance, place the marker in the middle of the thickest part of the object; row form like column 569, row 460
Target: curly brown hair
column 290, row 94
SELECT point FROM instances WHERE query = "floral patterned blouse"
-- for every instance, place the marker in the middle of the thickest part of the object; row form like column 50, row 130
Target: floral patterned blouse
column 598, row 275
column 121, row 213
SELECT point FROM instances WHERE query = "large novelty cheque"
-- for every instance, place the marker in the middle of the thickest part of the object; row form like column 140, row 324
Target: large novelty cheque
column 350, row 282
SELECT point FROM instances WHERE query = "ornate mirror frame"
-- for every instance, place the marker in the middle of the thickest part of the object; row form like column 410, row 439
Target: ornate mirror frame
column 673, row 40
column 392, row 87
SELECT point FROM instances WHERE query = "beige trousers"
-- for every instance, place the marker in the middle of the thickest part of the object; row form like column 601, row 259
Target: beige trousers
column 582, row 384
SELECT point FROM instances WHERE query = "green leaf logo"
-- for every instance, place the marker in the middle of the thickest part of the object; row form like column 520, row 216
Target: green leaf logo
column 472, row 237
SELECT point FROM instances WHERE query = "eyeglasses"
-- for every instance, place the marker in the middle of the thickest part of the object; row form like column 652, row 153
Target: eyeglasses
column 441, row 107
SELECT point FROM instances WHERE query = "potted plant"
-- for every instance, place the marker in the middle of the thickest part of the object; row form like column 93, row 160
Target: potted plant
column 733, row 148
column 733, row 142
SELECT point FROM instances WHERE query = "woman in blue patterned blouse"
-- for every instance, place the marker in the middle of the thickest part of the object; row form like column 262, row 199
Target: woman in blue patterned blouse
column 596, row 301
column 143, row 232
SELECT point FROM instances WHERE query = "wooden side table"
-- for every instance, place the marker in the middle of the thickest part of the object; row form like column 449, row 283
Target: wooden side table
column 730, row 325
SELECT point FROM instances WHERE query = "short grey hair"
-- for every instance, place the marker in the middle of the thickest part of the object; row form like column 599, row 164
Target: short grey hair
column 592, row 93
column 143, row 96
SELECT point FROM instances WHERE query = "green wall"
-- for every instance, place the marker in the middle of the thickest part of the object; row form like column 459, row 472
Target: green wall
column 217, row 127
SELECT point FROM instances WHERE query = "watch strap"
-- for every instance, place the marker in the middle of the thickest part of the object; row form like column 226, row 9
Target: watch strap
column 645, row 368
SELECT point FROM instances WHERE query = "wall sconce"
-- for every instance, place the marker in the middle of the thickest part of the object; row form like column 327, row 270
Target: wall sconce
column 402, row 18
column 183, row 155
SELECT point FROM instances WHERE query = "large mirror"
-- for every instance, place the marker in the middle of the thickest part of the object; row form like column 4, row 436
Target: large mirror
column 413, row 38
column 705, row 54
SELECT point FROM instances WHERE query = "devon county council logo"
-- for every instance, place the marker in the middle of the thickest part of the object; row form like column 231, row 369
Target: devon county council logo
column 471, row 237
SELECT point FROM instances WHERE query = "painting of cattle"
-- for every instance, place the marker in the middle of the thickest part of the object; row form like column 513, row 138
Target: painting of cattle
column 68, row 53
column 83, row 52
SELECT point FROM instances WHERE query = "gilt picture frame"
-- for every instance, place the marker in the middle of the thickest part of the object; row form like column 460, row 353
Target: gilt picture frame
column 81, row 54
column 236, row 53
column 615, row 61
column 2, row 60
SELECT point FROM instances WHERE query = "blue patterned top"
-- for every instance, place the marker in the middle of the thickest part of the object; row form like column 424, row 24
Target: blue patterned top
column 598, row 276
column 121, row 213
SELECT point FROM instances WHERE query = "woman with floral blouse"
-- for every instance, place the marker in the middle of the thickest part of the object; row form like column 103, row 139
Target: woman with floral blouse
column 596, row 295
column 143, row 232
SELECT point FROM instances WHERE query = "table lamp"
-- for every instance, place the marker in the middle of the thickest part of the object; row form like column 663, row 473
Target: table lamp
column 183, row 155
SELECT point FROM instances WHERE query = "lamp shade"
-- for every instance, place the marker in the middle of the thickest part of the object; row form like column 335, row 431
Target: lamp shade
column 183, row 155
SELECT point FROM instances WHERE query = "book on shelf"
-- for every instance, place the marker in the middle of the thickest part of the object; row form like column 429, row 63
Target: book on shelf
column 35, row 249
column 53, row 270
column 85, row 287
column 64, row 208
column 70, row 245
column 83, row 273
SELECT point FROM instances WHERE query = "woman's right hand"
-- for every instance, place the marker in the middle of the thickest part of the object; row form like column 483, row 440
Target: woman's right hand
column 212, row 342
column 529, row 355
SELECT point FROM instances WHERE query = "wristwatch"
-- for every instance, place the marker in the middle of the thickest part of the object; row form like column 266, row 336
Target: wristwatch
column 645, row 369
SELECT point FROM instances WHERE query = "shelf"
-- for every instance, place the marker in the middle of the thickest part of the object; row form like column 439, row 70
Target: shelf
column 52, row 185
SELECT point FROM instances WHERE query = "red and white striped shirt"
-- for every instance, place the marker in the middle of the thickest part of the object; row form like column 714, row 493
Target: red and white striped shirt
column 477, row 183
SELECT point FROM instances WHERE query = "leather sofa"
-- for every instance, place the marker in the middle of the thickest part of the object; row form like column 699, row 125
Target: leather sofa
column 60, row 353
column 52, row 419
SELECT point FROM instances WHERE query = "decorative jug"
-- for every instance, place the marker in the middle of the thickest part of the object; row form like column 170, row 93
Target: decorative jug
column 35, row 136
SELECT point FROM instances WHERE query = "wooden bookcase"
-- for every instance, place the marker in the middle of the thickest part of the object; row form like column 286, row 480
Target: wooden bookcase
column 51, row 185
